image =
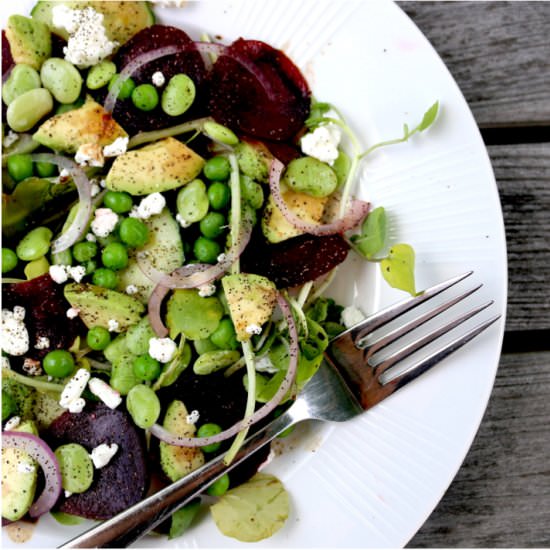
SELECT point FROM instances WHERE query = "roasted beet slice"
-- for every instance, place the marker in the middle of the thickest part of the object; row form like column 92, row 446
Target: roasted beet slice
column 257, row 90
column 189, row 61
column 7, row 59
column 45, row 313
column 295, row 261
column 119, row 484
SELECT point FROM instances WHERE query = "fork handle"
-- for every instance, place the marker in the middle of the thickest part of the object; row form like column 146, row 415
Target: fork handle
column 135, row 522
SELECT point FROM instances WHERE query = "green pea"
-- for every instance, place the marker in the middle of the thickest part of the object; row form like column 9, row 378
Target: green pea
column 143, row 405
column 225, row 337
column 98, row 338
column 192, row 201
column 58, row 363
column 252, row 192
column 76, row 466
column 125, row 90
column 22, row 79
column 206, row 250
column 213, row 225
column 310, row 176
column 212, row 361
column 145, row 97
column 217, row 168
column 100, row 75
column 62, row 79
column 36, row 268
column 219, row 195
column 45, row 169
column 106, row 278
column 207, row 430
column 115, row 256
column 9, row 260
column 178, row 95
column 28, row 108
column 146, row 368
column 118, row 201
column 9, row 406
column 133, row 232
column 84, row 251
column 34, row 244
column 20, row 166
column 220, row 133
column 219, row 487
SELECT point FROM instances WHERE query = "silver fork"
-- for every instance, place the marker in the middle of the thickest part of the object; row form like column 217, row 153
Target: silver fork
column 349, row 382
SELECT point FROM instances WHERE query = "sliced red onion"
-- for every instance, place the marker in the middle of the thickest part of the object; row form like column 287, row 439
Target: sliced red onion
column 357, row 210
column 154, row 310
column 80, row 223
column 211, row 48
column 262, row 412
column 41, row 452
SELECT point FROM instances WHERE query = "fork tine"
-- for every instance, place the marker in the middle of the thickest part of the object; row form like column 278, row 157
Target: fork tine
column 403, row 353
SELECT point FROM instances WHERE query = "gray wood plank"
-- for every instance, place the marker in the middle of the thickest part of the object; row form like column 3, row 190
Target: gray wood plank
column 497, row 52
column 523, row 178
column 501, row 495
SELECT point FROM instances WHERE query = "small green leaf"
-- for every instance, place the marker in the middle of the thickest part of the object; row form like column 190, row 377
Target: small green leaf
column 398, row 268
column 373, row 233
column 172, row 370
column 182, row 519
column 317, row 112
column 429, row 117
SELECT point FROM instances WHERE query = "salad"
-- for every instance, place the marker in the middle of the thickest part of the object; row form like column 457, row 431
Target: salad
column 174, row 209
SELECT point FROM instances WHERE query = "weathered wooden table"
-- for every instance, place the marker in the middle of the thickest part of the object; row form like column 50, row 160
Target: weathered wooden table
column 499, row 54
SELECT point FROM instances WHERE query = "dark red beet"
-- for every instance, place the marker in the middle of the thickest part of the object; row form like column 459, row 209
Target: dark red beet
column 7, row 59
column 189, row 61
column 120, row 483
column 46, row 313
column 271, row 101
column 295, row 261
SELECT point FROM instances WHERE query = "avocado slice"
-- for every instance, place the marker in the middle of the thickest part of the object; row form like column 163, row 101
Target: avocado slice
column 251, row 299
column 159, row 166
column 309, row 209
column 97, row 305
column 90, row 123
column 19, row 475
column 175, row 461
column 30, row 41
column 121, row 19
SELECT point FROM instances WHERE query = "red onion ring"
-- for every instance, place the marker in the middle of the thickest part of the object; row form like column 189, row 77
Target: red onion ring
column 355, row 214
column 41, row 452
column 154, row 310
column 80, row 223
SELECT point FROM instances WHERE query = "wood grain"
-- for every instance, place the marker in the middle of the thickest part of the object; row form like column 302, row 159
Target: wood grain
column 497, row 52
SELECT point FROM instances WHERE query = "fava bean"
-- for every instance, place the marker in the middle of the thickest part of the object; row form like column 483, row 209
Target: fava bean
column 178, row 95
column 310, row 176
column 220, row 133
column 225, row 337
column 22, row 79
column 192, row 202
column 77, row 468
column 9, row 260
column 28, row 108
column 62, row 79
column 143, row 405
column 34, row 244
column 36, row 268
column 122, row 377
column 100, row 75
column 252, row 192
column 212, row 361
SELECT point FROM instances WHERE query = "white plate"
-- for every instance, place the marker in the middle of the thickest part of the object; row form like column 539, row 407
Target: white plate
column 373, row 481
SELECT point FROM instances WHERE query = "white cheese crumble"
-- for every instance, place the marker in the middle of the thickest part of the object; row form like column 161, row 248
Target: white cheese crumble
column 104, row 222
column 207, row 290
column 42, row 342
column 15, row 336
column 192, row 417
column 182, row 221
column 253, row 329
column 77, row 405
column 322, row 143
column 113, row 325
column 95, row 189
column 12, row 423
column 91, row 238
column 149, row 206
column 118, row 147
column 108, row 395
column 58, row 273
column 88, row 43
column 162, row 349
column 158, row 79
column 351, row 315
column 72, row 313
column 132, row 289
column 67, row 493
column 89, row 154
column 76, row 272
column 102, row 454
column 74, row 388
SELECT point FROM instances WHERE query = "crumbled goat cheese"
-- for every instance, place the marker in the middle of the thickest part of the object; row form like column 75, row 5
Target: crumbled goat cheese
column 25, row 467
column 67, row 493
column 102, row 454
column 95, row 189
column 158, row 79
column 88, row 43
column 162, row 349
column 149, row 206
column 58, row 273
column 89, row 154
column 104, row 222
column 113, row 325
column 12, row 423
column 253, row 329
column 15, row 336
column 207, row 290
column 72, row 312
column 91, row 238
column 264, row 364
column 76, row 272
column 32, row 367
column 108, row 395
column 132, row 289
column 118, row 147
column 192, row 417
column 74, row 388
column 42, row 342
column 10, row 138
column 350, row 316
column 77, row 405
column 182, row 221
column 322, row 143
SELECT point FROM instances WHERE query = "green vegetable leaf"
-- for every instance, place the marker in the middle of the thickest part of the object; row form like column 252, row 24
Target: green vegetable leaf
column 182, row 518
column 429, row 117
column 398, row 268
column 171, row 370
column 373, row 233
